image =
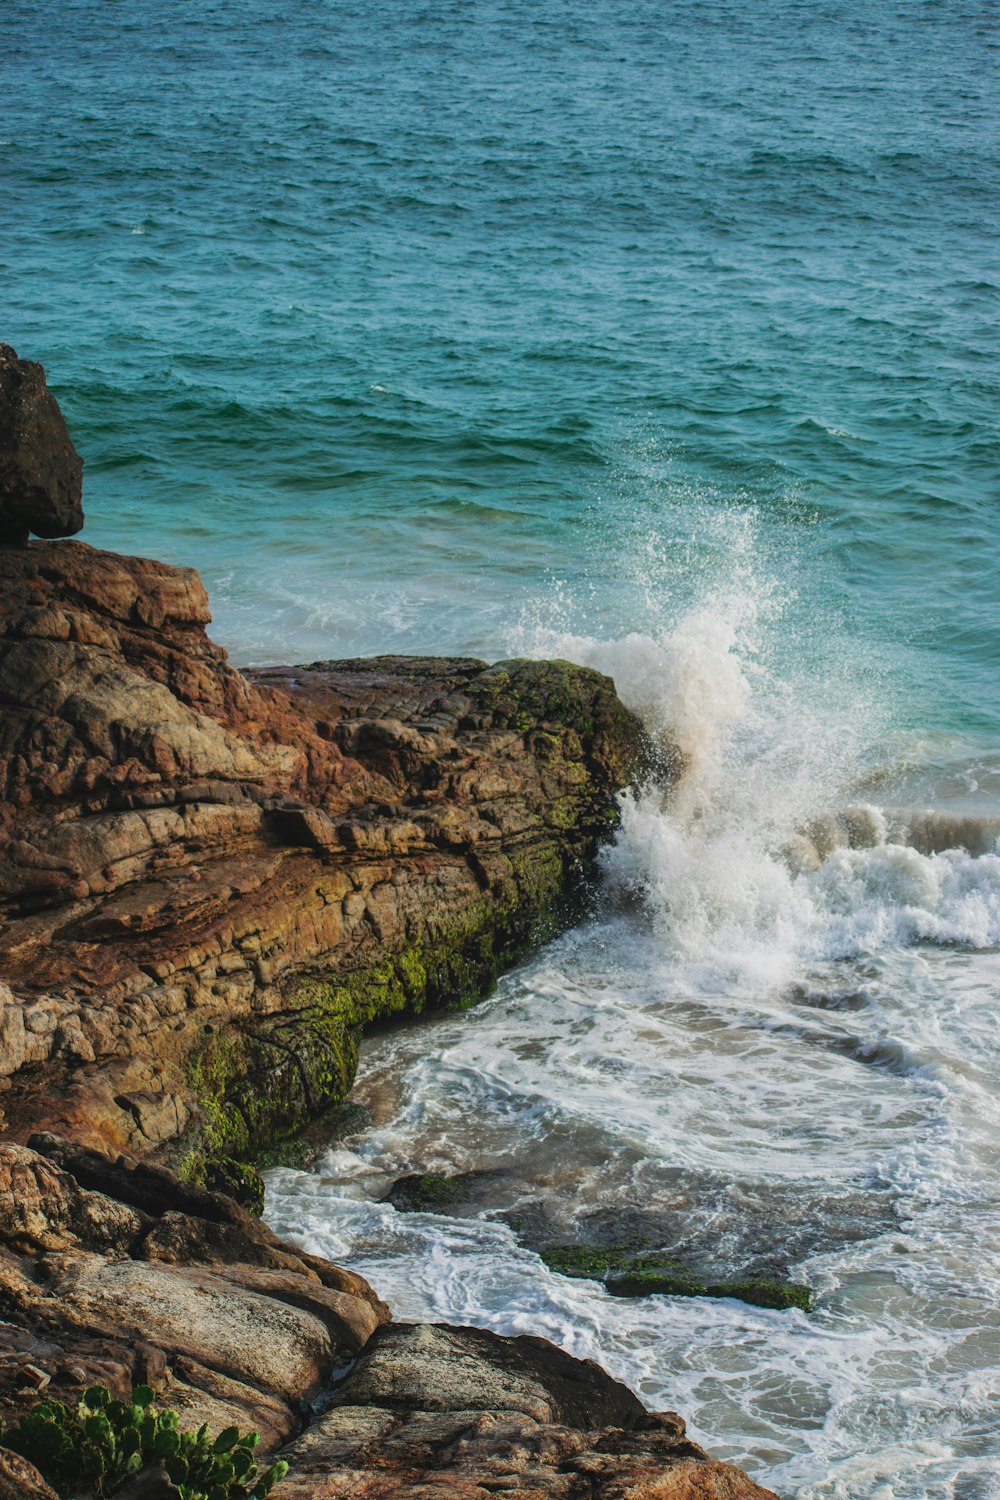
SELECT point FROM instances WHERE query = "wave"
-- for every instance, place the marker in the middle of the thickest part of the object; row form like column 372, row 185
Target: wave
column 759, row 862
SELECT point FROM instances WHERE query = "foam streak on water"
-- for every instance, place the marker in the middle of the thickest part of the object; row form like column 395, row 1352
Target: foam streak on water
column 772, row 1048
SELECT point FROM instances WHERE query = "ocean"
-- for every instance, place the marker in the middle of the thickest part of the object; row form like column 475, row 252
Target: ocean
column 662, row 337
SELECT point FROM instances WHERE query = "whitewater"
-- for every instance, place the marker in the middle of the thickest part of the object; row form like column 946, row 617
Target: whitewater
column 771, row 1050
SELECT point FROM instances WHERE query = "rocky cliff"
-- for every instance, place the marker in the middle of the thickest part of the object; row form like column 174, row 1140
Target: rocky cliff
column 210, row 881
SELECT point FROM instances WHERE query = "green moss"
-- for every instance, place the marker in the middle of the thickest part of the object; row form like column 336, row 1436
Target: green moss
column 238, row 1179
column 295, row 1152
column 589, row 1262
column 777, row 1294
column 258, row 1086
column 626, row 1272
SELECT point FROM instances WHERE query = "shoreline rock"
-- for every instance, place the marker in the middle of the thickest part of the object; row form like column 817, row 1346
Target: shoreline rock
column 211, row 881
column 41, row 473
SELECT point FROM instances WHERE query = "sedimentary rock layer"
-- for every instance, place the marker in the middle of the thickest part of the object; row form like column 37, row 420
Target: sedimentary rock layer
column 210, row 880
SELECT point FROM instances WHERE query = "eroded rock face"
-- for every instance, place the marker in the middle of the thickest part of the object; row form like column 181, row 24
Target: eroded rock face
column 41, row 473
column 434, row 1413
column 243, row 1332
column 210, row 881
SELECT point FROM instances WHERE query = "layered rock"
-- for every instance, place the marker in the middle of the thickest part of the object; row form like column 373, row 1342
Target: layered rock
column 116, row 1273
column 210, row 881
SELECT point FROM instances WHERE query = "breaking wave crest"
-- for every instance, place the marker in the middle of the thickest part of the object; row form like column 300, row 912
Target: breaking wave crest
column 760, row 860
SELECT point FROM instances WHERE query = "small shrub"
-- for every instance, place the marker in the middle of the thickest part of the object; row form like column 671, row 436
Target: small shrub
column 98, row 1445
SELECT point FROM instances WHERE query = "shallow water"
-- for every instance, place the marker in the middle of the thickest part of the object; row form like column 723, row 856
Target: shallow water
column 662, row 338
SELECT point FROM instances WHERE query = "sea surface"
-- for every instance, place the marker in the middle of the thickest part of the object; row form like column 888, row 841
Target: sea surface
column 663, row 337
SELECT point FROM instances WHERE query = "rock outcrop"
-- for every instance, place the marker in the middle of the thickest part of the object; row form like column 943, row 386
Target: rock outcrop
column 433, row 1413
column 41, row 473
column 210, row 880
column 116, row 1273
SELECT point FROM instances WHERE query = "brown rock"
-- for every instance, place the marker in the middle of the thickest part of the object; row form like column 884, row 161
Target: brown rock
column 44, row 1208
column 350, row 1321
column 360, row 1453
column 41, row 473
column 243, row 1345
column 20, row 1480
column 264, row 1344
column 211, row 881
column 431, row 1413
column 434, row 1367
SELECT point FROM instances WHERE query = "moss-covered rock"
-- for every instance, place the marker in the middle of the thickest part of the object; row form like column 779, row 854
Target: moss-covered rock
column 430, row 1192
column 628, row 1271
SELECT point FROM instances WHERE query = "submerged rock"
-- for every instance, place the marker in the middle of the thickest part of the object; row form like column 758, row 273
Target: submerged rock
column 433, row 1192
column 41, row 473
column 630, row 1272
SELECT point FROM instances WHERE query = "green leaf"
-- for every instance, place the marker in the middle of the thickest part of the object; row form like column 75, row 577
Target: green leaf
column 97, row 1397
column 228, row 1438
column 250, row 1440
column 267, row 1482
column 242, row 1462
column 99, row 1430
column 130, row 1442
column 143, row 1395
column 166, row 1444
column 177, row 1468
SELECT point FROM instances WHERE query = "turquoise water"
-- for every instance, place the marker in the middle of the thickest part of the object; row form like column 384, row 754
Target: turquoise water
column 662, row 336
column 386, row 315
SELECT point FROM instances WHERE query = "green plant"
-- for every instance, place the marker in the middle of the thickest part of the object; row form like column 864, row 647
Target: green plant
column 96, row 1446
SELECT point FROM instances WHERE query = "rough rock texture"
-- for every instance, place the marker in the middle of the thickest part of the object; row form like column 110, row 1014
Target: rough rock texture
column 41, row 473
column 428, row 1367
column 243, row 1331
column 433, row 1413
column 210, row 881
column 247, row 1330
column 20, row 1480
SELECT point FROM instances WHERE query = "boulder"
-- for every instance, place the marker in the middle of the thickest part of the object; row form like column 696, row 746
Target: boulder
column 41, row 473
column 440, row 1413
column 240, row 1333
column 20, row 1480
column 434, row 1367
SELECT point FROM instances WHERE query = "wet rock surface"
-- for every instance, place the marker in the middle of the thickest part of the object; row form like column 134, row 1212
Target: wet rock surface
column 41, row 473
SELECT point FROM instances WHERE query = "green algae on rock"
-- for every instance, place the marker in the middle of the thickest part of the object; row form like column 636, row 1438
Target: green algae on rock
column 628, row 1271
